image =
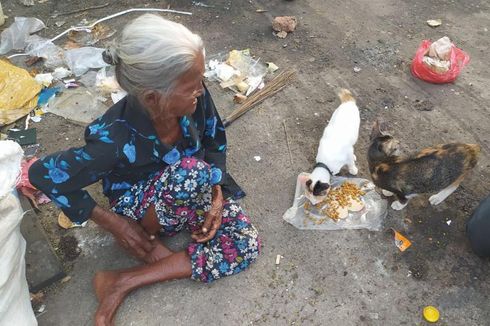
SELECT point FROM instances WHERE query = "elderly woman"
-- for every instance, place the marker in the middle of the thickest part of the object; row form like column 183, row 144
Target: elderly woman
column 161, row 155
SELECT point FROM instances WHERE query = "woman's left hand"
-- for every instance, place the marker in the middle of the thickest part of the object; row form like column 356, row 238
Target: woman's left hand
column 212, row 220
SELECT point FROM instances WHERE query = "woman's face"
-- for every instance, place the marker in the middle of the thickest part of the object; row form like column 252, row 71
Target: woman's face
column 183, row 98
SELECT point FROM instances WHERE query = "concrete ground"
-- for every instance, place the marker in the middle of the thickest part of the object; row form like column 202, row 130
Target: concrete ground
column 325, row 278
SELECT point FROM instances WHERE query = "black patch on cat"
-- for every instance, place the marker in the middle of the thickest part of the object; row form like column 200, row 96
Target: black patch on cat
column 320, row 188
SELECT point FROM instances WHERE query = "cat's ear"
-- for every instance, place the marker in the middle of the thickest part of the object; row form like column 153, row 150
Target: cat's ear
column 377, row 130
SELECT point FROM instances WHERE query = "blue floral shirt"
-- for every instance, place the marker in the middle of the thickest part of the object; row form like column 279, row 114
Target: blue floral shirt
column 122, row 148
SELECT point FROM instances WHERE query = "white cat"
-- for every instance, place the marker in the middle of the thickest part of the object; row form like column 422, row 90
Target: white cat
column 336, row 147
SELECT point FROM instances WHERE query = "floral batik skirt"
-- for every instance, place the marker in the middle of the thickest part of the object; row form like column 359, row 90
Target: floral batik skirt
column 181, row 195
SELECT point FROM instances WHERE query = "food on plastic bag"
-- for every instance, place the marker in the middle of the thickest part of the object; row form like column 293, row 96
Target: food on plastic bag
column 81, row 60
column 18, row 93
column 237, row 70
column 439, row 62
column 370, row 216
column 15, row 305
column 15, row 36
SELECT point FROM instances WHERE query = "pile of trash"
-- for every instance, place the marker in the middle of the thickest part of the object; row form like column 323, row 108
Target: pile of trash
column 239, row 72
column 439, row 62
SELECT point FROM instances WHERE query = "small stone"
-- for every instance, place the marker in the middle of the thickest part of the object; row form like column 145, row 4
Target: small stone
column 282, row 34
column 285, row 23
column 357, row 69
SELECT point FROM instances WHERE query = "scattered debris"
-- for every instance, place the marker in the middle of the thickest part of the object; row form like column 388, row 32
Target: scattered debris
column 80, row 10
column 272, row 67
column 357, row 69
column 401, row 242
column 278, row 259
column 78, row 105
column 65, row 279
column 434, row 22
column 27, row 3
column 60, row 73
column 60, row 23
column 284, row 25
column 272, row 87
column 261, row 10
column 25, row 187
column 37, row 298
column 200, row 4
column 47, row 95
column 81, row 60
column 23, row 137
column 44, row 79
column 91, row 36
column 257, row 158
column 238, row 71
column 431, row 314
column 15, row 36
column 438, row 62
column 43, row 48
column 17, row 81
column 448, row 222
column 41, row 309
column 282, row 34
column 239, row 98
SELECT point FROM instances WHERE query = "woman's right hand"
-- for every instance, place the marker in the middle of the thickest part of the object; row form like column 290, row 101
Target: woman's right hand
column 128, row 233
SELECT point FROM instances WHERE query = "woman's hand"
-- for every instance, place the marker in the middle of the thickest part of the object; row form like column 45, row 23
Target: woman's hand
column 212, row 220
column 128, row 233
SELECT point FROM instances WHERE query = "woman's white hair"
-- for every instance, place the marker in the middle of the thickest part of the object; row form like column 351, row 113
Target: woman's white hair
column 152, row 53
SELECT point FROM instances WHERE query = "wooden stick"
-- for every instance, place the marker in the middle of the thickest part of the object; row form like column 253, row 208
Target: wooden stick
column 80, row 10
column 287, row 142
column 271, row 88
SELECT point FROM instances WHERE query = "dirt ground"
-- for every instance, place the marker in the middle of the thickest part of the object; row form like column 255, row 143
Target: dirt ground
column 325, row 278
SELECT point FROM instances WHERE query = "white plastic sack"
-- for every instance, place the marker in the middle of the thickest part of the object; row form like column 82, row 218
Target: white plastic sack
column 15, row 304
column 370, row 217
column 82, row 59
column 14, row 37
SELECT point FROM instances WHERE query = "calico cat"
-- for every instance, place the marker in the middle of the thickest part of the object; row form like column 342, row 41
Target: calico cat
column 438, row 169
column 336, row 148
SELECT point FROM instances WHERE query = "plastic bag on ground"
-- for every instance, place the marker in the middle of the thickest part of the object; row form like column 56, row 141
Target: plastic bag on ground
column 371, row 217
column 422, row 70
column 52, row 54
column 15, row 304
column 15, row 36
column 18, row 93
column 81, row 60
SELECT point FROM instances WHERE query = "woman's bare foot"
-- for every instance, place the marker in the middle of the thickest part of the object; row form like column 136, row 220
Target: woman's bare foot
column 110, row 294
column 159, row 252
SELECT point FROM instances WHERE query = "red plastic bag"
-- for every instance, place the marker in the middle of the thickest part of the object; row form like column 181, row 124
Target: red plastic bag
column 458, row 60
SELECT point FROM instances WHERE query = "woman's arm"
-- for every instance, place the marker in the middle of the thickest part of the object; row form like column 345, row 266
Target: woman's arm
column 214, row 141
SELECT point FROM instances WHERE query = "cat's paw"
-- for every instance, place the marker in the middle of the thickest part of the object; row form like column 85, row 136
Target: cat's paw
column 386, row 193
column 397, row 206
column 353, row 170
column 436, row 199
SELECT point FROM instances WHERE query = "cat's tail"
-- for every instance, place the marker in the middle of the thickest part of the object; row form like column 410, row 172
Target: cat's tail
column 473, row 151
column 346, row 96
